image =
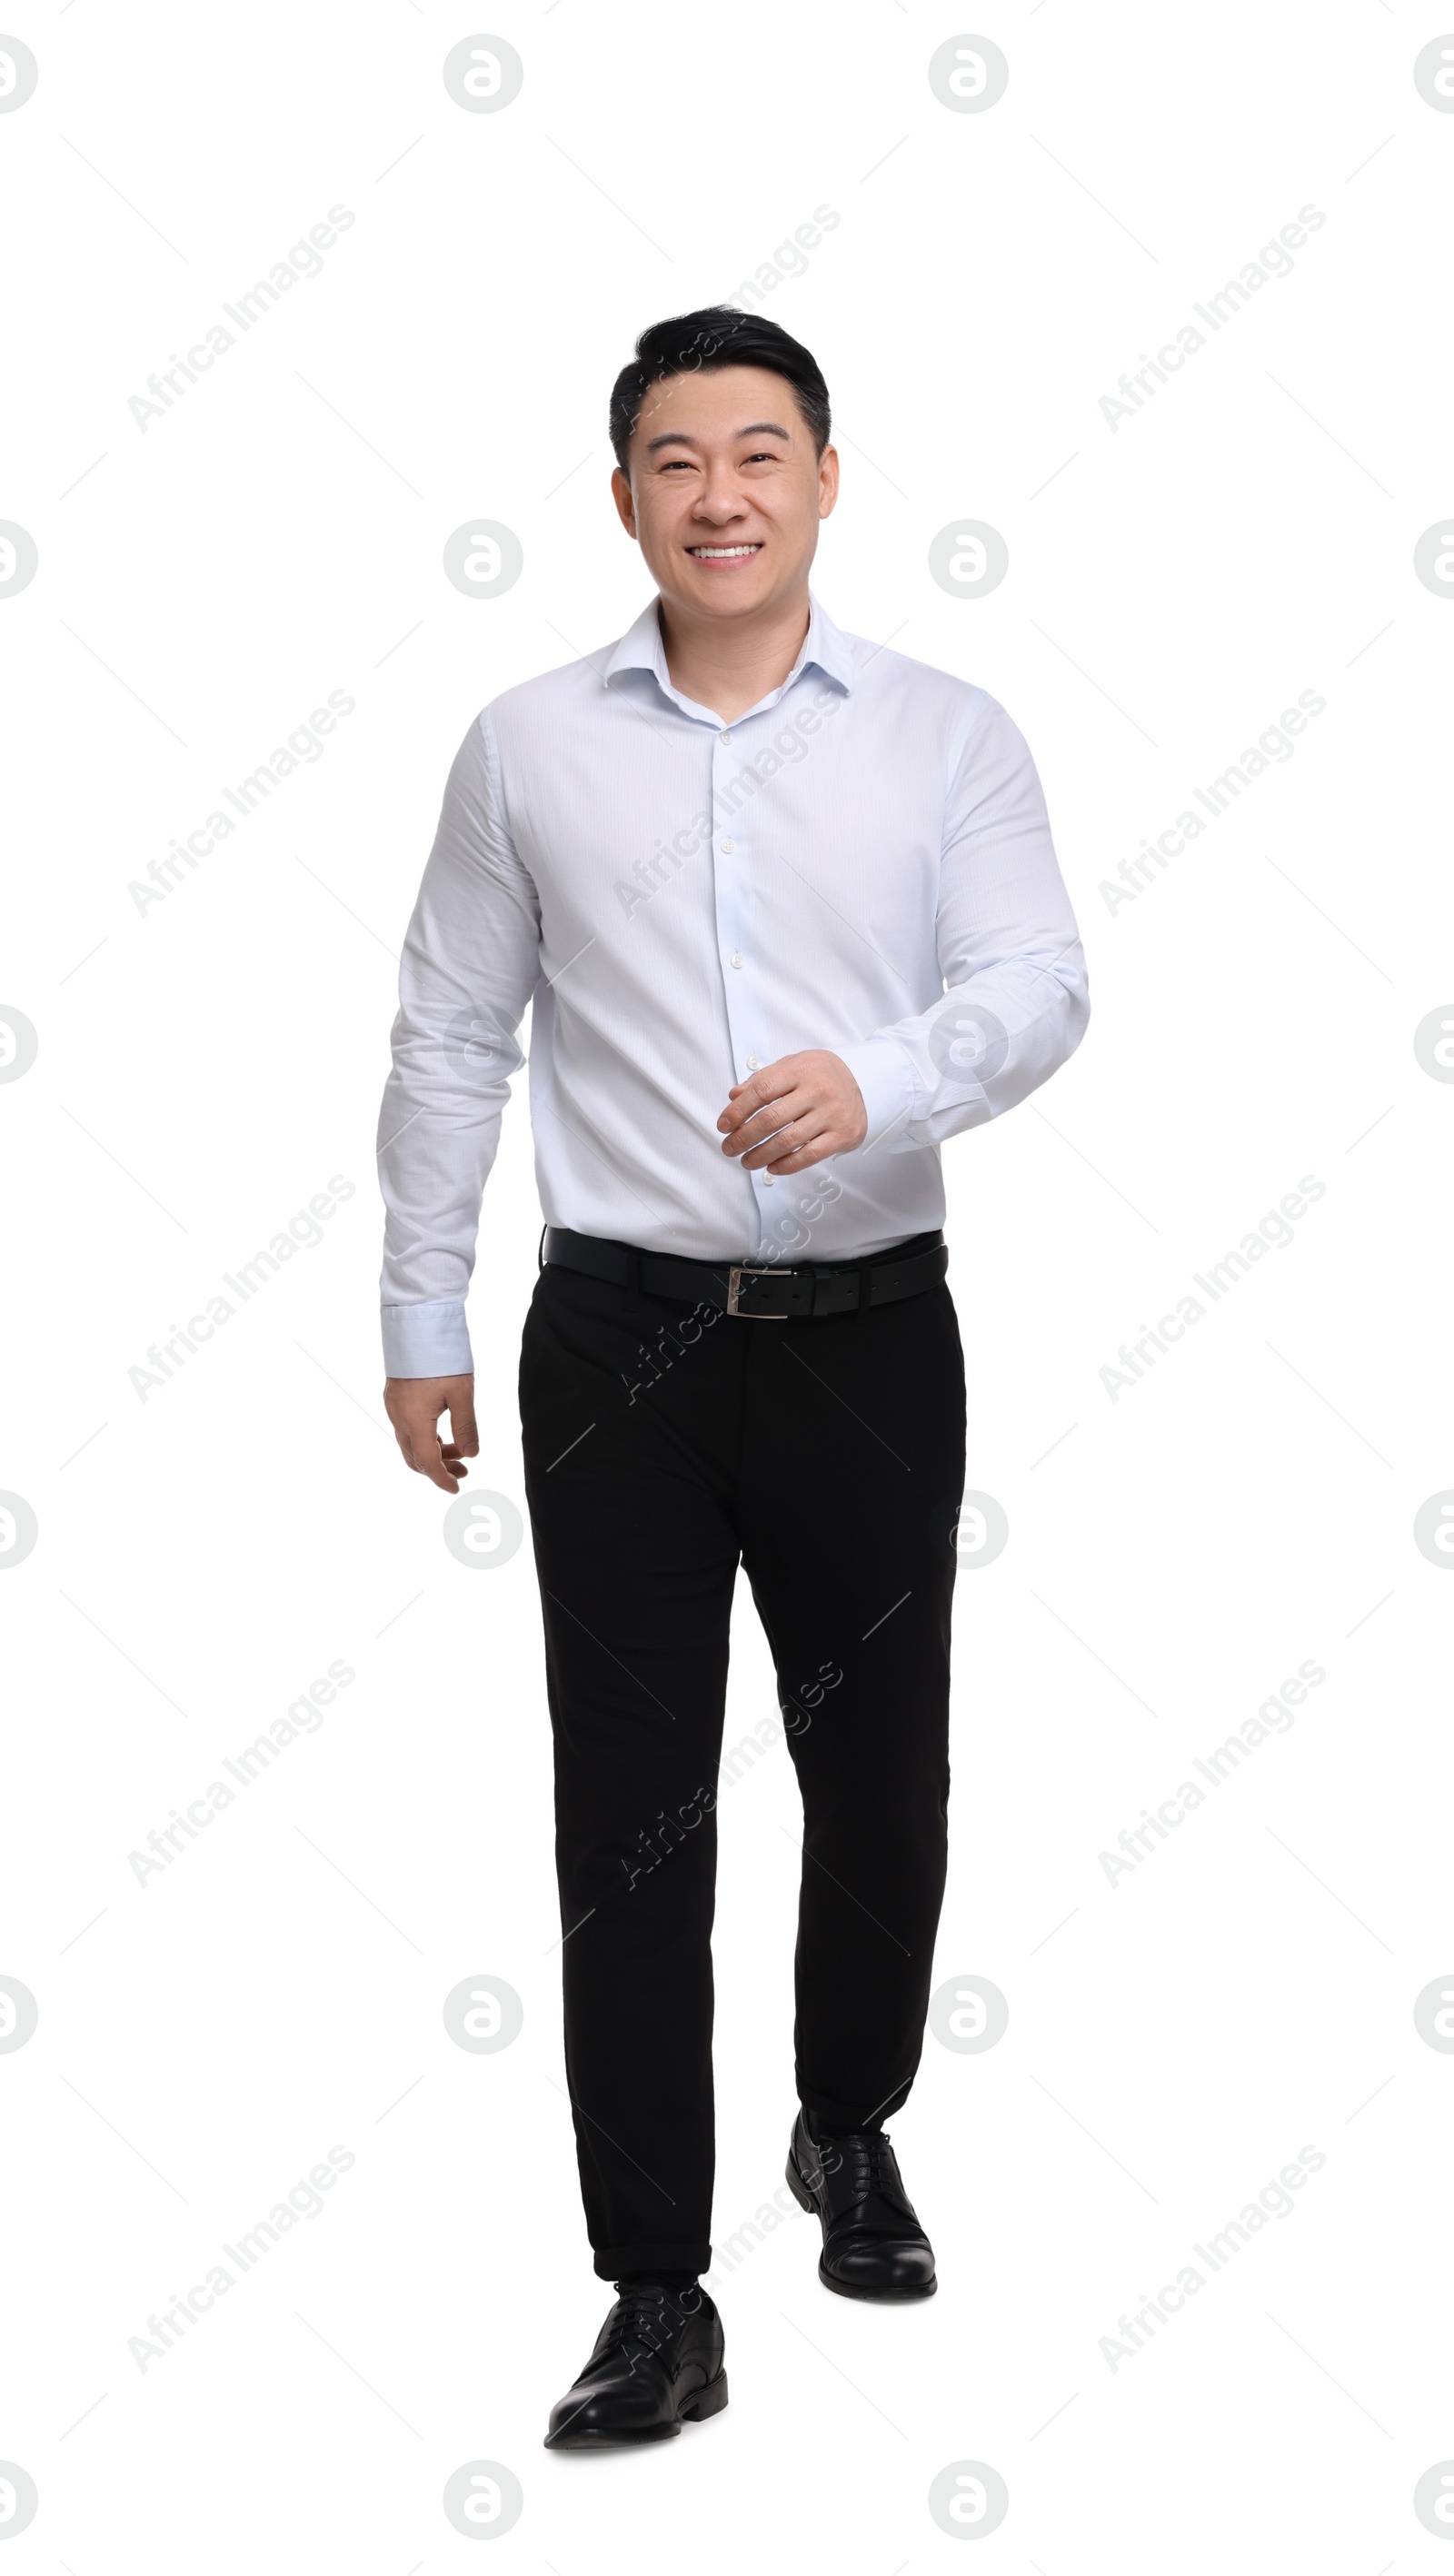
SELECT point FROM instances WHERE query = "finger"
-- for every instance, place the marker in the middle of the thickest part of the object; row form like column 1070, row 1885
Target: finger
column 762, row 1155
column 757, row 1124
column 819, row 1148
column 737, row 1116
column 404, row 1435
column 756, row 1151
column 746, row 1098
column 748, row 1145
column 419, row 1440
column 462, row 1423
column 818, row 1152
column 432, row 1459
column 789, row 1100
column 786, row 1140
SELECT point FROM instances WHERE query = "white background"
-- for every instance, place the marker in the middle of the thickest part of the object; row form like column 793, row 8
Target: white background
column 206, row 1066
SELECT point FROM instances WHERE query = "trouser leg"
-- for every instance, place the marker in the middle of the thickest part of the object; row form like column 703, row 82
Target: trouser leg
column 629, row 1479
column 852, row 1478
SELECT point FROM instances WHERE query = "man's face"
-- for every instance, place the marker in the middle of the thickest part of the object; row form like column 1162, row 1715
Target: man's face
column 725, row 492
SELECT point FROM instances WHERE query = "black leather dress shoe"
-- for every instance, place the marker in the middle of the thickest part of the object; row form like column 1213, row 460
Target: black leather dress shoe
column 657, row 2365
column 873, row 2245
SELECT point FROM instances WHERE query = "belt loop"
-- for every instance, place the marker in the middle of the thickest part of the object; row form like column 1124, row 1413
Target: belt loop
column 631, row 1286
column 540, row 1253
column 865, row 1282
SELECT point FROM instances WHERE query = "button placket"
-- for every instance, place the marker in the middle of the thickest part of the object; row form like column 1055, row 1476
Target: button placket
column 733, row 890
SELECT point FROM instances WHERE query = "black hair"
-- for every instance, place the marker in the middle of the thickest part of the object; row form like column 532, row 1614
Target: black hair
column 700, row 343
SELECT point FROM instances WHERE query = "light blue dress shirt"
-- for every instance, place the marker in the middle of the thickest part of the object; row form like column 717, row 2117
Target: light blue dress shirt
column 862, row 862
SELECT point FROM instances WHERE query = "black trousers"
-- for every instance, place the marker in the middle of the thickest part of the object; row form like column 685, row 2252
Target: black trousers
column 661, row 1445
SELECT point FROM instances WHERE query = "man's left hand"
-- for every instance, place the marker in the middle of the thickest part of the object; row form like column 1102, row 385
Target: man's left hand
column 794, row 1113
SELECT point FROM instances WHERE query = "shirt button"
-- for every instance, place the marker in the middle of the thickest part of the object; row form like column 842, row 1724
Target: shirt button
column 754, row 1063
column 724, row 737
column 736, row 957
column 727, row 847
column 767, row 1181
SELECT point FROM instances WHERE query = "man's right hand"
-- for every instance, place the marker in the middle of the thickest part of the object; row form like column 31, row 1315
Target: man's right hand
column 414, row 1405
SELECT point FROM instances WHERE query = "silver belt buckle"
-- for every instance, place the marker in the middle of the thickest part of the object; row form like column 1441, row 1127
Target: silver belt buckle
column 735, row 1278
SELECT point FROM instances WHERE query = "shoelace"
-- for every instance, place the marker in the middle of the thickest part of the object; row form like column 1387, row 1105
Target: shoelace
column 645, row 2314
column 879, row 2163
column 867, row 2160
column 871, row 2158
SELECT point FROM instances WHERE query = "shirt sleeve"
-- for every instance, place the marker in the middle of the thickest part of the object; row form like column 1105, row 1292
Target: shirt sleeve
column 470, row 963
column 1016, row 1001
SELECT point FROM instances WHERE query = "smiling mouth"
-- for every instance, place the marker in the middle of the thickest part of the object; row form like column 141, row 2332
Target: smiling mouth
column 725, row 554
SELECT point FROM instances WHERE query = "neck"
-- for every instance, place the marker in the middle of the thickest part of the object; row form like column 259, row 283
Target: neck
column 729, row 664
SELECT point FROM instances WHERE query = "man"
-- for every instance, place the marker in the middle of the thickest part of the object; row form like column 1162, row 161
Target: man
column 787, row 910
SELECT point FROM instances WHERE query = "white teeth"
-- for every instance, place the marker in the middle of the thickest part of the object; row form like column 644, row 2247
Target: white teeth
column 717, row 554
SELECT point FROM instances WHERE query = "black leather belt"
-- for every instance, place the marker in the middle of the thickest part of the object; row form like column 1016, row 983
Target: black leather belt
column 771, row 1296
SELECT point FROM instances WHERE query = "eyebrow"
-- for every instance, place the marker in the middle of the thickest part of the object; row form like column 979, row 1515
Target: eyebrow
column 682, row 438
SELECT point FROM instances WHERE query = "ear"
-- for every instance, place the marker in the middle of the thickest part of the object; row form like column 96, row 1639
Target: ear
column 626, row 507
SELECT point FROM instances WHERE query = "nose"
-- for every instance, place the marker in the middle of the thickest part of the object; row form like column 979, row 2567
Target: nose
column 719, row 499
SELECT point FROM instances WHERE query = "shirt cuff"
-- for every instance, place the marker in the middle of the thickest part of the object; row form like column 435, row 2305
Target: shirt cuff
column 428, row 1340
column 885, row 1077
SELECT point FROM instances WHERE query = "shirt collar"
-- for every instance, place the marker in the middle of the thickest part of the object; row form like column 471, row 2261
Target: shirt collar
column 825, row 648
